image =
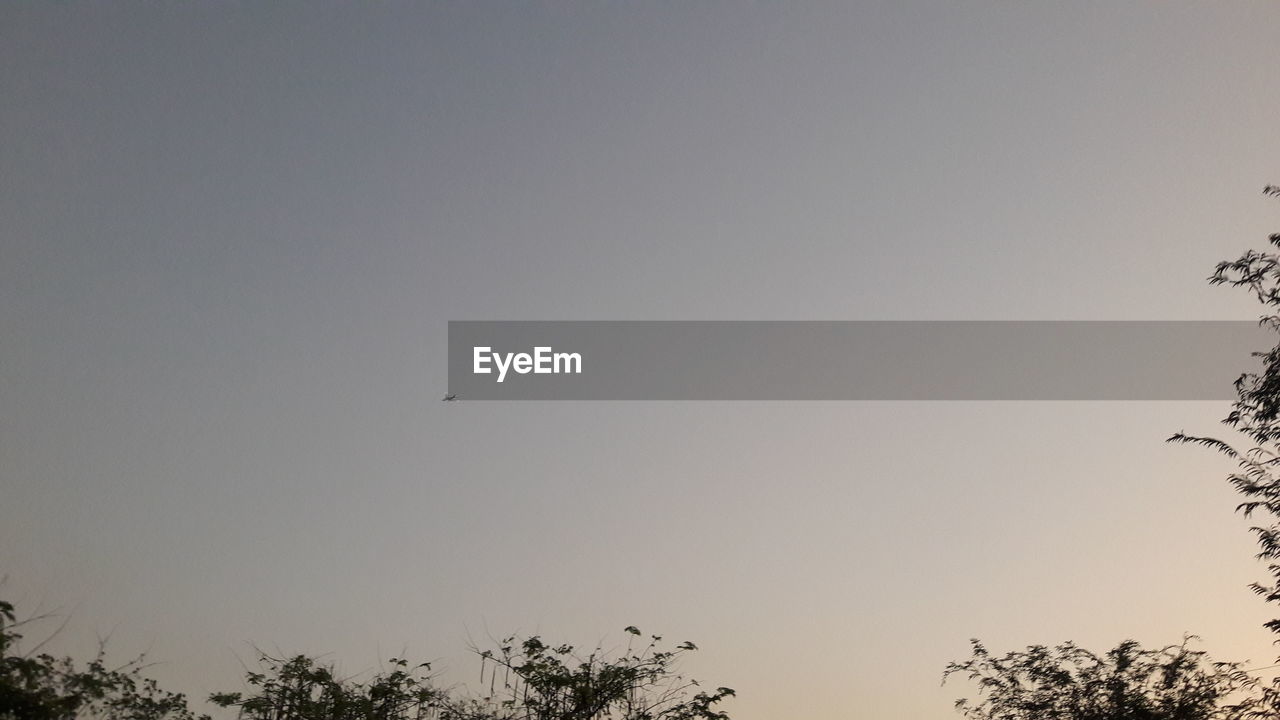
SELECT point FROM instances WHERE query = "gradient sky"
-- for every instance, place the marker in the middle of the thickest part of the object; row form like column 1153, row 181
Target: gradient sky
column 233, row 234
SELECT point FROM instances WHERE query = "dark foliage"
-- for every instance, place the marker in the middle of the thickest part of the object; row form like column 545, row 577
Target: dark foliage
column 1127, row 683
column 1175, row 682
column 39, row 686
column 302, row 688
column 541, row 682
column 1255, row 414
column 523, row 680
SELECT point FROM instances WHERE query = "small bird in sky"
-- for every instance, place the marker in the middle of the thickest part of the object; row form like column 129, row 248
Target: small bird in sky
column 450, row 397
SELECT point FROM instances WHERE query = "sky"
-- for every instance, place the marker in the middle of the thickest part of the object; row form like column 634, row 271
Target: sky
column 234, row 233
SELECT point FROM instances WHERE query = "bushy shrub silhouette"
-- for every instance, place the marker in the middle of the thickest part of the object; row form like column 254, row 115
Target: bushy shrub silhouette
column 522, row 679
column 1067, row 682
column 38, row 686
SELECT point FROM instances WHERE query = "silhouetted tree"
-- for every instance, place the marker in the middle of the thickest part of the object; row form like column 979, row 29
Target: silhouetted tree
column 530, row 680
column 39, row 686
column 1127, row 683
column 522, row 680
column 1256, row 414
column 301, row 688
column 1172, row 683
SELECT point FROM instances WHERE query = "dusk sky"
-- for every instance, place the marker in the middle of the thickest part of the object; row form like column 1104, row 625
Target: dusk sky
column 233, row 234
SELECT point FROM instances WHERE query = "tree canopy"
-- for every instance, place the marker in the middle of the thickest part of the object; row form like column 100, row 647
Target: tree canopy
column 1255, row 414
column 520, row 679
column 1129, row 682
column 36, row 685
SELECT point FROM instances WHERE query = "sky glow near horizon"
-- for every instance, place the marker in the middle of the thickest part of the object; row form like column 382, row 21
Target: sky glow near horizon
column 234, row 234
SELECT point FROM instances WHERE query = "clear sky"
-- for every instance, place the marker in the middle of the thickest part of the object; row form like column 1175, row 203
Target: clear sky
column 233, row 234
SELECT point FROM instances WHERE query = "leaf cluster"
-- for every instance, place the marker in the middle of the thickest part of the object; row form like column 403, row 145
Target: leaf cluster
column 1129, row 682
column 1255, row 414
column 38, row 686
column 302, row 688
column 523, row 679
